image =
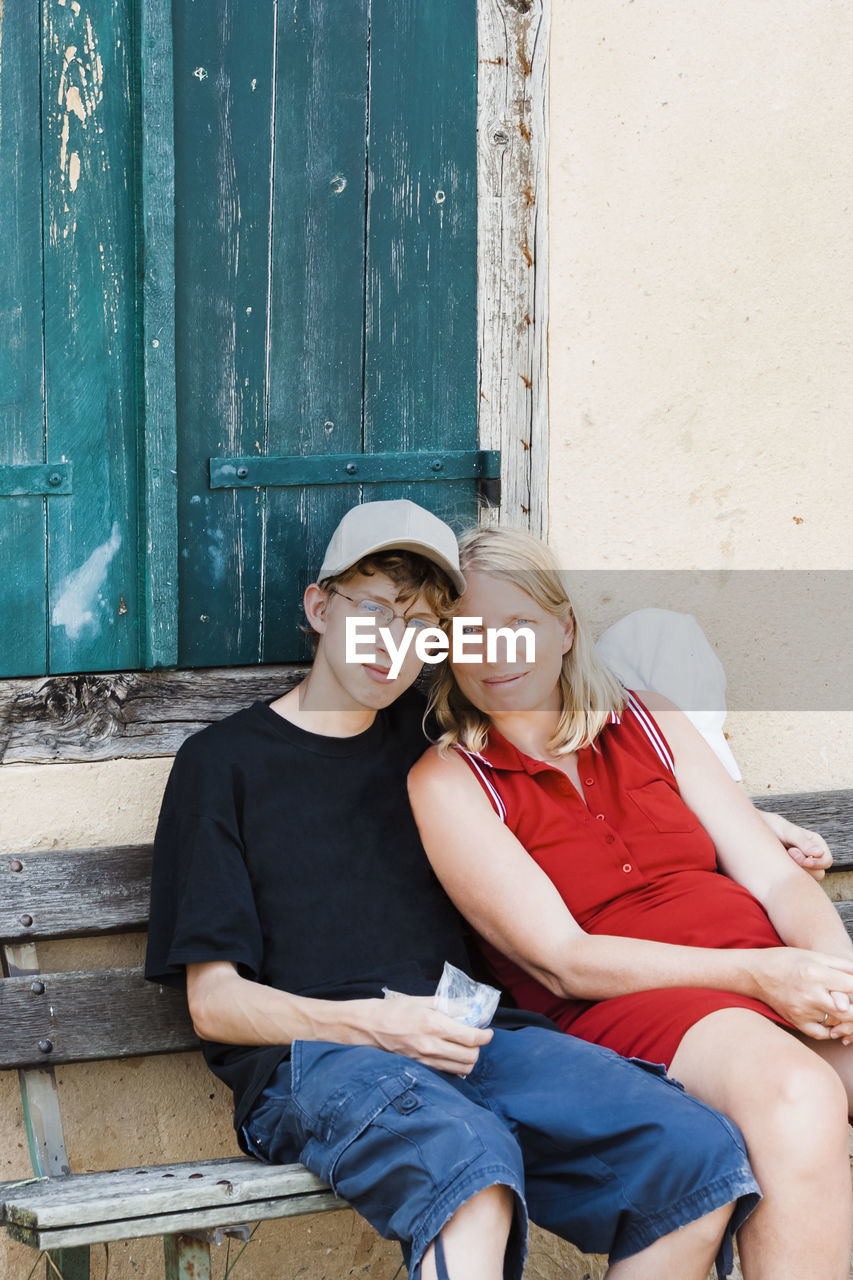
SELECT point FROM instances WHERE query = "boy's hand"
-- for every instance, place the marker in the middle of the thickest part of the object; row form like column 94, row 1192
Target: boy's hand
column 412, row 1026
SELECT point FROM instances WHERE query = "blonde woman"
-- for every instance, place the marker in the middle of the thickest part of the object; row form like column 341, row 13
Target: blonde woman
column 623, row 884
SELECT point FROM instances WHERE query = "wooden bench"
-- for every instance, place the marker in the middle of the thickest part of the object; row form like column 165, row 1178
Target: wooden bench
column 48, row 1019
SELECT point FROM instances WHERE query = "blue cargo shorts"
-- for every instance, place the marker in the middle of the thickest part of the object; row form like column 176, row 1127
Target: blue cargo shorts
column 606, row 1152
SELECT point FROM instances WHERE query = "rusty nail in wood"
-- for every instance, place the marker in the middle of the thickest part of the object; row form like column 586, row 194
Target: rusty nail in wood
column 45, row 1046
column 15, row 865
column 38, row 988
column 26, row 921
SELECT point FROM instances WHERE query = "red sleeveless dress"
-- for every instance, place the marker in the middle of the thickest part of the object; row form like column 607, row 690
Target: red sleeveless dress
column 633, row 861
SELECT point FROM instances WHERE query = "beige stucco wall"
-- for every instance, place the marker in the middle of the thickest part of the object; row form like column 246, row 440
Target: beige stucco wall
column 701, row 307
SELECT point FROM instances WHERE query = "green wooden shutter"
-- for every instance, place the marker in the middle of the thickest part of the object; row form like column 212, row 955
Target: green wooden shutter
column 67, row 169
column 23, row 620
column 323, row 246
column 339, row 146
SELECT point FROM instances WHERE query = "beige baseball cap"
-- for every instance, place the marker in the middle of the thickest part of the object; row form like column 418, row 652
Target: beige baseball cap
column 399, row 525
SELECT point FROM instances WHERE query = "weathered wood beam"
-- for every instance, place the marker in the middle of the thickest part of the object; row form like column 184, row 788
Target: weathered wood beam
column 512, row 252
column 130, row 713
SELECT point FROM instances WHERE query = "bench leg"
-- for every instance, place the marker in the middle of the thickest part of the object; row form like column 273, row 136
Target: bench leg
column 186, row 1259
column 72, row 1264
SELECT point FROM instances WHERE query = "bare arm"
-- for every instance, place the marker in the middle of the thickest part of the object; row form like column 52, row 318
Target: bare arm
column 512, row 902
column 230, row 1009
column 807, row 848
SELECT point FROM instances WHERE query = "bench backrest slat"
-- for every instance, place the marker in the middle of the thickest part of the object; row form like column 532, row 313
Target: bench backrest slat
column 83, row 1017
column 86, row 892
column 74, row 893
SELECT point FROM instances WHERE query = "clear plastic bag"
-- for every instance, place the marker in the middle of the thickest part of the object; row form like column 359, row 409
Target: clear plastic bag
column 460, row 997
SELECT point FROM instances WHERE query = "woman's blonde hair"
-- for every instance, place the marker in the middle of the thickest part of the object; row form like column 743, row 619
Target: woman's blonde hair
column 589, row 691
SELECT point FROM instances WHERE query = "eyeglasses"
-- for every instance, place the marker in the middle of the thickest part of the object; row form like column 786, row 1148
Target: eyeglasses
column 383, row 614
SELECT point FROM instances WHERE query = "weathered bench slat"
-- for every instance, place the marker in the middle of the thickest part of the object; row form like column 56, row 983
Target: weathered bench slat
column 82, row 1209
column 230, row 1182
column 74, row 893
column 174, row 1223
column 829, row 812
column 83, row 1017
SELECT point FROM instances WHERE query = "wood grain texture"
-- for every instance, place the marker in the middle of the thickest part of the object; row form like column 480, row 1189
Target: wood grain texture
column 23, row 636
column 88, row 123
column 512, row 252
column 91, row 1208
column 88, row 1016
column 172, row 1223
column 131, row 714
column 74, row 892
column 159, row 586
column 143, row 1191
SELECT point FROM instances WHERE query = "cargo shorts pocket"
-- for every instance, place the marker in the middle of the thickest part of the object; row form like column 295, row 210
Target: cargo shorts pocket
column 369, row 1120
column 338, row 1092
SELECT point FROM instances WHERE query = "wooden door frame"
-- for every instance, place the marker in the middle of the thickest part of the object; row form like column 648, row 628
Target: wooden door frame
column 512, row 252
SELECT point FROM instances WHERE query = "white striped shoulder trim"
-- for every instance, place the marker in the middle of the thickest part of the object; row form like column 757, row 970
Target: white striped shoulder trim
column 652, row 732
column 476, row 762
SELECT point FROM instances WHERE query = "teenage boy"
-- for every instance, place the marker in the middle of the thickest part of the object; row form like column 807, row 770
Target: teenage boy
column 290, row 887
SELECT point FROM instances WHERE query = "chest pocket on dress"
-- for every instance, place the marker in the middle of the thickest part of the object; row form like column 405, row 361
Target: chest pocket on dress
column 663, row 806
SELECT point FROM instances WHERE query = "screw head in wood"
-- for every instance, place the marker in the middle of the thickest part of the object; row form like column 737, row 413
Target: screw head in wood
column 37, row 987
column 45, row 1046
column 242, row 472
column 26, row 921
column 16, row 865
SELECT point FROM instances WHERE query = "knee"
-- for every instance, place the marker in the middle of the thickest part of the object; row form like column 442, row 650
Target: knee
column 491, row 1209
column 804, row 1111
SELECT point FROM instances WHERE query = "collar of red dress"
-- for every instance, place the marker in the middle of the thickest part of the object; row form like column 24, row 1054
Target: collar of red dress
column 500, row 753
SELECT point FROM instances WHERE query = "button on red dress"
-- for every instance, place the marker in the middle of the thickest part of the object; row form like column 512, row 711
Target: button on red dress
column 633, row 861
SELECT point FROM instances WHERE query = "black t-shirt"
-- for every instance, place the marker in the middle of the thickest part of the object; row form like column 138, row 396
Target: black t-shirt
column 296, row 857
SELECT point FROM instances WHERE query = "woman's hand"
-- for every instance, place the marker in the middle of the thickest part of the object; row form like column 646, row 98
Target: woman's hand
column 807, row 848
column 812, row 990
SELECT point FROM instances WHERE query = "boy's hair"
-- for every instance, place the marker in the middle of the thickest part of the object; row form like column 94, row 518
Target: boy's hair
column 410, row 573
column 589, row 691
